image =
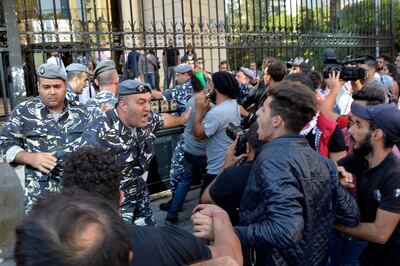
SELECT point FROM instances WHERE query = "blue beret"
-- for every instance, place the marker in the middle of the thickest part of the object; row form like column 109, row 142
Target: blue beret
column 76, row 67
column 183, row 68
column 104, row 66
column 248, row 72
column 51, row 71
column 132, row 86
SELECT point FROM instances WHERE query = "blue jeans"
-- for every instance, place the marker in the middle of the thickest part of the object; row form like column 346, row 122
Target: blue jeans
column 345, row 250
column 193, row 165
column 150, row 78
column 169, row 76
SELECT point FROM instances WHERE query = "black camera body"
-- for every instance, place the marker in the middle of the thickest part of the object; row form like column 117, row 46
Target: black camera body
column 349, row 69
column 232, row 131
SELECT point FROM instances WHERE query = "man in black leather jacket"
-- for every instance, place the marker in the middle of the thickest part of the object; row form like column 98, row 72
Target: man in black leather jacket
column 292, row 198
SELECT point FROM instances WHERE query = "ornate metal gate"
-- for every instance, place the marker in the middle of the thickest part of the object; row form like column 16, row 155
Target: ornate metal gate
column 4, row 81
column 237, row 30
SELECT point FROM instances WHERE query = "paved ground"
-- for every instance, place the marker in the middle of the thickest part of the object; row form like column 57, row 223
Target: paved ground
column 184, row 222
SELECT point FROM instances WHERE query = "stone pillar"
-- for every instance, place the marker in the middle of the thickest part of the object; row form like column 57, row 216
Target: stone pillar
column 18, row 90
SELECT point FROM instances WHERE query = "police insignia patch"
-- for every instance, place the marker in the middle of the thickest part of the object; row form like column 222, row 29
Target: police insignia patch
column 41, row 70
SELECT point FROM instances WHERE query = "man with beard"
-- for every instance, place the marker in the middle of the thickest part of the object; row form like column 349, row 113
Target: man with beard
column 210, row 123
column 374, row 132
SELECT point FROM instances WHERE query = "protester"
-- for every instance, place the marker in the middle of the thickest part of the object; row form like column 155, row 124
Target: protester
column 323, row 134
column 210, row 122
column 97, row 171
column 72, row 228
column 147, row 68
column 224, row 66
column 227, row 188
column 374, row 131
column 293, row 196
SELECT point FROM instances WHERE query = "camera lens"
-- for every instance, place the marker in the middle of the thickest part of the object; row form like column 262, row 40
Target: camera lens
column 232, row 130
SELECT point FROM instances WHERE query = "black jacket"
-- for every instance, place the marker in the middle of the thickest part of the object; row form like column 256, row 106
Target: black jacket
column 290, row 204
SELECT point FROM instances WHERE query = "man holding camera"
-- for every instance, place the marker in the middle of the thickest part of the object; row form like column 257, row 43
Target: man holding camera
column 210, row 122
column 292, row 196
column 227, row 188
column 344, row 98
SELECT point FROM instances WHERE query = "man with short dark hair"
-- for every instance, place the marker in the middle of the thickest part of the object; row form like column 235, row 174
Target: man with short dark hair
column 224, row 66
column 257, row 73
column 374, row 131
column 293, row 196
column 106, row 78
column 128, row 130
column 227, row 188
column 95, row 170
column 275, row 70
column 132, row 65
column 72, row 228
column 40, row 132
column 78, row 76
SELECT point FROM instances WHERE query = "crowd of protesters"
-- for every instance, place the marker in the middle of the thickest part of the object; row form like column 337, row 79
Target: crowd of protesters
column 298, row 167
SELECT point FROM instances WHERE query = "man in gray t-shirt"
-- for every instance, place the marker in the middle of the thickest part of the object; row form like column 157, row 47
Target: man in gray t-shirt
column 194, row 157
column 210, row 123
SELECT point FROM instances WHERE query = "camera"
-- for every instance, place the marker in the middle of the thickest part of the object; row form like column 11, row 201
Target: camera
column 349, row 69
column 232, row 131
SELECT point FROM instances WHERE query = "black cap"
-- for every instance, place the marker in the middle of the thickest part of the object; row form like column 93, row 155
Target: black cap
column 226, row 84
column 386, row 117
column 132, row 86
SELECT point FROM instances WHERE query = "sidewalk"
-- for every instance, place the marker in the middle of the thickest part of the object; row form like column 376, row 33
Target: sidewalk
column 184, row 221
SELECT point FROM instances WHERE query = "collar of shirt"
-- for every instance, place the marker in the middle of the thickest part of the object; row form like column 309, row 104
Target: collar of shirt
column 46, row 113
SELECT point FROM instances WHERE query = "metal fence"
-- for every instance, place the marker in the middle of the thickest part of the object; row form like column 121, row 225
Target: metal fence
column 237, row 30
column 4, row 86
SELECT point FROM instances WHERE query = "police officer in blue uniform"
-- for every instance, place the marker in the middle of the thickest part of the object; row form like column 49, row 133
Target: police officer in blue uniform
column 78, row 76
column 129, row 131
column 40, row 132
